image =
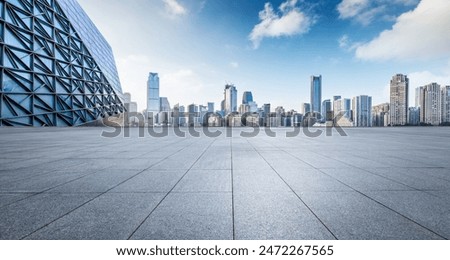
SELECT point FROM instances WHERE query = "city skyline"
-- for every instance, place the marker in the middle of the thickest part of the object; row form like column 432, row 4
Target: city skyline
column 243, row 53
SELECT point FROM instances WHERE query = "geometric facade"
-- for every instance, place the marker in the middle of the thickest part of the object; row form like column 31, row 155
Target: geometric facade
column 56, row 69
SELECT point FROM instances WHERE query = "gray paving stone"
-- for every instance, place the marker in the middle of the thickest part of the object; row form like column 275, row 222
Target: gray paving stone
column 350, row 215
column 258, row 181
column 272, row 216
column 190, row 216
column 152, row 181
column 112, row 216
column 205, row 181
column 22, row 218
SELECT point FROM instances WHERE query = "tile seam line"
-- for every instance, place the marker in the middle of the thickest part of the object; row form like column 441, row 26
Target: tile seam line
column 170, row 191
column 374, row 200
column 292, row 190
column 92, row 199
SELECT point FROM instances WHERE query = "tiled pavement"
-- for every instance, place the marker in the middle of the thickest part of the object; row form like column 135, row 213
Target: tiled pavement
column 387, row 183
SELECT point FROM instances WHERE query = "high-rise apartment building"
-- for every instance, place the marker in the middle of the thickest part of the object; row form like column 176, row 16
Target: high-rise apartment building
column 56, row 68
column 445, row 104
column 430, row 110
column 316, row 94
column 399, row 100
column 327, row 110
column 362, row 111
column 230, row 99
column 380, row 115
column 153, row 99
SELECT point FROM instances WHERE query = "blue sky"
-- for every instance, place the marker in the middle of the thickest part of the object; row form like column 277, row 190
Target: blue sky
column 273, row 47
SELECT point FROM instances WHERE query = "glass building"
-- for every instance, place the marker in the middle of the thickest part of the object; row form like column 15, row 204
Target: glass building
column 316, row 94
column 56, row 69
column 247, row 97
column 153, row 99
column 230, row 99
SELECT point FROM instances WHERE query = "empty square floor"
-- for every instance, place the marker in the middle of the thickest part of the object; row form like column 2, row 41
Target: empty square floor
column 373, row 183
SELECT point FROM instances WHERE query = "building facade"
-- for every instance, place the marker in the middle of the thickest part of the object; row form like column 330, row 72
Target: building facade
column 380, row 115
column 56, row 68
column 153, row 98
column 247, row 97
column 399, row 100
column 430, row 112
column 327, row 110
column 362, row 111
column 316, row 94
column 445, row 105
column 230, row 99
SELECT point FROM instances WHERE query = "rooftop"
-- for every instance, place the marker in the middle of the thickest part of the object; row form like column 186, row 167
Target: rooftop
column 376, row 183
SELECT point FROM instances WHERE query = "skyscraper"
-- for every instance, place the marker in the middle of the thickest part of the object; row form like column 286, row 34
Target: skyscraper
column 327, row 110
column 430, row 112
column 56, row 68
column 362, row 111
column 445, row 104
column 247, row 97
column 210, row 107
column 230, row 99
column 399, row 100
column 316, row 94
column 305, row 108
column 153, row 100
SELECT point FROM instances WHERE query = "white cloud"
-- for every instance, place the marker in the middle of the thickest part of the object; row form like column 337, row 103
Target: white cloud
column 234, row 65
column 365, row 11
column 422, row 78
column 421, row 34
column 346, row 44
column 183, row 85
column 288, row 21
column 174, row 8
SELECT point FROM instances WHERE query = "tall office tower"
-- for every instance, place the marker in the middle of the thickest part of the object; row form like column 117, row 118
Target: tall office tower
column 56, row 68
column 305, row 108
column 445, row 104
column 316, row 94
column 230, row 99
column 380, row 115
column 193, row 117
column 153, row 100
column 327, row 110
column 362, row 111
column 430, row 112
column 414, row 116
column 399, row 100
column 210, row 107
column 247, row 97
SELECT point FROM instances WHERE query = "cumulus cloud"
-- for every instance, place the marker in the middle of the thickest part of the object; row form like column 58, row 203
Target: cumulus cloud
column 366, row 11
column 287, row 21
column 174, row 8
column 421, row 34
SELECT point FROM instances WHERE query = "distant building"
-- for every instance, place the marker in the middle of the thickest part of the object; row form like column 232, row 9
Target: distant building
column 362, row 111
column 430, row 109
column 380, row 115
column 305, row 108
column 247, row 97
column 316, row 94
column 230, row 104
column 342, row 108
column 327, row 110
column 445, row 105
column 153, row 101
column 211, row 107
column 399, row 100
column 414, row 116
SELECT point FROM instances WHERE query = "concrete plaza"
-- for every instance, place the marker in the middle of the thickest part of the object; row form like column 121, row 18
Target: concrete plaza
column 377, row 183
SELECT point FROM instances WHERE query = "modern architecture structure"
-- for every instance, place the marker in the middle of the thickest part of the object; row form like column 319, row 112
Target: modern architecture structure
column 153, row 99
column 445, row 105
column 56, row 68
column 230, row 101
column 316, row 94
column 380, row 115
column 414, row 116
column 430, row 107
column 399, row 100
column 305, row 108
column 327, row 110
column 362, row 111
column 210, row 107
column 247, row 97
